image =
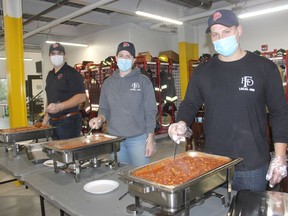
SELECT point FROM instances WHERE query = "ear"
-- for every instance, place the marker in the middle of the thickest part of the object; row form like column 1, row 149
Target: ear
column 239, row 30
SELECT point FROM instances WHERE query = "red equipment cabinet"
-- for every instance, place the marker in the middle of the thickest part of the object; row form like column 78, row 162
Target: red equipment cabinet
column 154, row 70
column 279, row 60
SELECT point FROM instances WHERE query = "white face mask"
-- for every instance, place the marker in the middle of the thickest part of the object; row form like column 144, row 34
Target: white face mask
column 57, row 60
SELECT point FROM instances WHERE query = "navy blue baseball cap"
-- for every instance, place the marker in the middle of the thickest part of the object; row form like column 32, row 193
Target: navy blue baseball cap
column 126, row 46
column 222, row 17
column 57, row 46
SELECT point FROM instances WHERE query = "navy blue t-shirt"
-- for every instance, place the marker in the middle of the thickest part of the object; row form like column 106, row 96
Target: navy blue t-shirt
column 63, row 85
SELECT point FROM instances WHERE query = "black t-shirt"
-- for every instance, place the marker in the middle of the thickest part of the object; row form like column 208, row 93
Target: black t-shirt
column 236, row 95
column 63, row 85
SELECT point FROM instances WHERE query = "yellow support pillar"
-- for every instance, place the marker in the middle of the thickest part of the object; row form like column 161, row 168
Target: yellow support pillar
column 187, row 52
column 15, row 62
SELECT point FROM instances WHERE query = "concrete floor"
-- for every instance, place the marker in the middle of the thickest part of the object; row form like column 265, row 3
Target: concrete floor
column 16, row 200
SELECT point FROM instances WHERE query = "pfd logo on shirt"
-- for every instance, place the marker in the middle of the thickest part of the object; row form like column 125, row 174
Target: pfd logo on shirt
column 59, row 76
column 247, row 82
column 135, row 87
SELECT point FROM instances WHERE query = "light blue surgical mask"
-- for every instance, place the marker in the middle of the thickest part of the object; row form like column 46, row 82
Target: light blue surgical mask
column 124, row 64
column 226, row 46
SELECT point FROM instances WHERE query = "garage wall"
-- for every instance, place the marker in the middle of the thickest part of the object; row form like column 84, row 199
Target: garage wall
column 267, row 29
column 103, row 44
column 29, row 66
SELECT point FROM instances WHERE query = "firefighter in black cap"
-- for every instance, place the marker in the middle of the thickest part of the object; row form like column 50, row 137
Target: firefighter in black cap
column 65, row 92
column 127, row 103
column 236, row 87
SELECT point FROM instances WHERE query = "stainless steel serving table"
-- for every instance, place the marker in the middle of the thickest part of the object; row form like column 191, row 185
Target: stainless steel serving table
column 69, row 196
column 18, row 166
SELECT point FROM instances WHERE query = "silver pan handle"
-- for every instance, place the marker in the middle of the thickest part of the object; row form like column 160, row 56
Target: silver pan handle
column 141, row 189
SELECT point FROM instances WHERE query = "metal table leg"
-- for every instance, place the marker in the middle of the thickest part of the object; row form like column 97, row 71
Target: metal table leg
column 11, row 180
column 62, row 213
column 42, row 205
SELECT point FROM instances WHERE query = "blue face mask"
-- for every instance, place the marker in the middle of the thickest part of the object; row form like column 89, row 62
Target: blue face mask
column 226, row 46
column 124, row 64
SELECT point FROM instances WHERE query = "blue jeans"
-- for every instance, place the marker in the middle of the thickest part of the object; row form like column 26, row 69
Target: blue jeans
column 67, row 128
column 254, row 180
column 132, row 151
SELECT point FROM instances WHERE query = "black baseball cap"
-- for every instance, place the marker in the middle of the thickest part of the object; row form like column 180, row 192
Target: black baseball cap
column 57, row 46
column 126, row 46
column 222, row 17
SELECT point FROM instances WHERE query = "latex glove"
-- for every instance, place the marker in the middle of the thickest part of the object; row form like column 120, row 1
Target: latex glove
column 150, row 147
column 177, row 131
column 277, row 170
column 54, row 108
column 95, row 123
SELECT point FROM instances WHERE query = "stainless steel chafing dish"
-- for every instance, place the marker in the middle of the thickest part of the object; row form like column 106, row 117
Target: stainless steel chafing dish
column 34, row 153
column 10, row 136
column 178, row 198
column 82, row 152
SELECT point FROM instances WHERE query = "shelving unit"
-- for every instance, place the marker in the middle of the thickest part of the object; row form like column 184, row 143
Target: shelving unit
column 94, row 75
column 154, row 70
column 191, row 65
column 279, row 60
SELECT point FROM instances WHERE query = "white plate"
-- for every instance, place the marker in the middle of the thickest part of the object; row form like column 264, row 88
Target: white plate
column 49, row 163
column 101, row 186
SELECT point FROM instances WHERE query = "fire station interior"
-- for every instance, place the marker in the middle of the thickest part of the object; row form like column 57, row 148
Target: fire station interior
column 159, row 57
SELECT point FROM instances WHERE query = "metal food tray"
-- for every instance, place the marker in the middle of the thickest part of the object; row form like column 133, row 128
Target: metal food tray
column 25, row 133
column 173, row 197
column 35, row 154
column 88, row 148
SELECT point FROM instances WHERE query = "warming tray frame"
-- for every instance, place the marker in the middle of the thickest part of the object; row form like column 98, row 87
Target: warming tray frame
column 173, row 198
column 76, row 157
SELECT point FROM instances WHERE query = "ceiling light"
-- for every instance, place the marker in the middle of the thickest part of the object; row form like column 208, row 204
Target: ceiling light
column 67, row 43
column 153, row 16
column 264, row 11
column 25, row 59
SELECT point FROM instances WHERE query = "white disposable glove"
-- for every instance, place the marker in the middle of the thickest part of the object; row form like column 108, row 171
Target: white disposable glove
column 96, row 122
column 277, row 170
column 177, row 131
column 54, row 108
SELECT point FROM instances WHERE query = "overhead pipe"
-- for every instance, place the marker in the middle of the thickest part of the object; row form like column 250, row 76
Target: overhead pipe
column 201, row 4
column 48, row 10
column 68, row 17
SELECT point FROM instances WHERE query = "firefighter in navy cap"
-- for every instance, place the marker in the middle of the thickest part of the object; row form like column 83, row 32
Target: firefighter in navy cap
column 236, row 87
column 65, row 92
column 127, row 103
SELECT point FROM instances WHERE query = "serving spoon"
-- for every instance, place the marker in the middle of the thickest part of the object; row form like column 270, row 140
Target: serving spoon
column 89, row 132
column 187, row 133
column 93, row 127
